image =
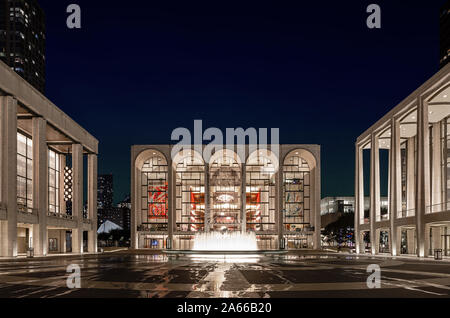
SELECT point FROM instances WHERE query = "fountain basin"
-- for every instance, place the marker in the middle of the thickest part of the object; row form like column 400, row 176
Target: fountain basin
column 231, row 242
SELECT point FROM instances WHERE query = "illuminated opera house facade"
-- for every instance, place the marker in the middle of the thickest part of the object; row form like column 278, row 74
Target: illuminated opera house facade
column 275, row 196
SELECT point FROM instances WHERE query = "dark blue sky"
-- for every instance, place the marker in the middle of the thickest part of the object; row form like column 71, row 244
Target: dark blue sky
column 138, row 69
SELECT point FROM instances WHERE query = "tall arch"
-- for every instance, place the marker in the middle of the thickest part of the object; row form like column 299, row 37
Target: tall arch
column 151, row 198
column 260, row 208
column 190, row 191
column 299, row 211
column 225, row 191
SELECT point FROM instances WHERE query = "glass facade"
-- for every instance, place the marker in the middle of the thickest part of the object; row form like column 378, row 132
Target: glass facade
column 445, row 161
column 296, row 188
column 260, row 194
column 225, row 193
column 296, row 202
column 24, row 173
column 54, row 169
column 154, row 198
column 190, row 194
column 198, row 199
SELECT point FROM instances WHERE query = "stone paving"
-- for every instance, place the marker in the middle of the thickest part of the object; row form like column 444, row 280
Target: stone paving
column 126, row 274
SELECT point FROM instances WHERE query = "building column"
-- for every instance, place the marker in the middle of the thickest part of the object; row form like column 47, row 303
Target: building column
column 77, row 197
column 377, row 240
column 411, row 241
column 172, row 202
column 8, row 180
column 135, row 198
column 422, row 174
column 374, row 189
column 436, row 179
column 92, row 202
column 395, row 194
column 359, row 196
column 410, row 176
column 279, row 204
column 207, row 198
column 243, row 199
column 315, row 204
column 40, row 185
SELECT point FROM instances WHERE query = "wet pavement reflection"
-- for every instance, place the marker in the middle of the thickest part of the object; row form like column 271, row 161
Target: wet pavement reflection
column 135, row 274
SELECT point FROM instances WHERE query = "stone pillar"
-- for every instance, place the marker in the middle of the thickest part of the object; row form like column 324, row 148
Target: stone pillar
column 279, row 203
column 377, row 240
column 135, row 198
column 207, row 199
column 63, row 241
column 410, row 176
column 398, row 234
column 436, row 179
column 411, row 241
column 172, row 201
column 77, row 197
column 315, row 204
column 359, row 196
column 40, row 185
column 92, row 202
column 8, row 137
column 243, row 199
column 395, row 181
column 374, row 189
column 422, row 174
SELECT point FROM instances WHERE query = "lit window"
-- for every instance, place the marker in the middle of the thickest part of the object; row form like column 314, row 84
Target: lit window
column 53, row 182
column 24, row 173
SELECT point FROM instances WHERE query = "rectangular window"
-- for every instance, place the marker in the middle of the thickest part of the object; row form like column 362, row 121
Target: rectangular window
column 53, row 182
column 24, row 173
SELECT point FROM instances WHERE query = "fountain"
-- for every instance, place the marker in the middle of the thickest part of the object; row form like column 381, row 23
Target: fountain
column 228, row 241
column 228, row 245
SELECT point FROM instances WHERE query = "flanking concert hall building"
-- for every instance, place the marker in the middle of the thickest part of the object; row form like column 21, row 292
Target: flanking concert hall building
column 173, row 199
column 410, row 148
column 42, row 152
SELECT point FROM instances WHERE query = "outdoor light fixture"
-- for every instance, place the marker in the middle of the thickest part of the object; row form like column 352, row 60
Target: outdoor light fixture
column 67, row 184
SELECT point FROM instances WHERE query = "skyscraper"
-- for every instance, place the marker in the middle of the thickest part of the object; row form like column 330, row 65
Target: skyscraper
column 125, row 208
column 22, row 39
column 445, row 34
column 105, row 191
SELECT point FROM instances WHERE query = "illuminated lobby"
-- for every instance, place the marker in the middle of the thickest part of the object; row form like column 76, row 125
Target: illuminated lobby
column 44, row 155
column 174, row 200
column 410, row 148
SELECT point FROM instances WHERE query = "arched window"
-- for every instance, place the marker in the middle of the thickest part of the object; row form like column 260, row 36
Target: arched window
column 154, row 206
column 297, row 216
column 190, row 192
column 225, row 191
column 260, row 183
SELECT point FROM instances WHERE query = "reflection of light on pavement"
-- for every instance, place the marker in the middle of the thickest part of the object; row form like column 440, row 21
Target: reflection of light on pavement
column 226, row 258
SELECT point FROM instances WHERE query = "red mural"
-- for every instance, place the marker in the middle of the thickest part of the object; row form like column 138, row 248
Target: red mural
column 157, row 198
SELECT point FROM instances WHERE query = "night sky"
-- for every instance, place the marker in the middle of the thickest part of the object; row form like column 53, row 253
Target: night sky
column 138, row 69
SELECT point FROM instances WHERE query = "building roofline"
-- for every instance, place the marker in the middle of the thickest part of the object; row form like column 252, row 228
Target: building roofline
column 410, row 99
column 12, row 84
